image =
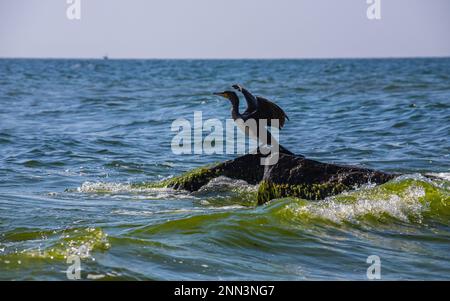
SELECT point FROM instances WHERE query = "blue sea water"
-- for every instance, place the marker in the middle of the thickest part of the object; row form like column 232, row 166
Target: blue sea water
column 77, row 136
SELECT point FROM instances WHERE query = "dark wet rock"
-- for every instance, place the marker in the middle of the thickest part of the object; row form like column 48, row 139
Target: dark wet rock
column 312, row 180
column 292, row 176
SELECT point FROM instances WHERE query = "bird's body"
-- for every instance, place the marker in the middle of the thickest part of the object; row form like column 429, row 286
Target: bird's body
column 258, row 108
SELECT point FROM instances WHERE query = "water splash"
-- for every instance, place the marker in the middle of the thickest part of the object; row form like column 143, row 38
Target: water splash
column 223, row 183
column 56, row 244
column 407, row 200
column 134, row 191
column 441, row 175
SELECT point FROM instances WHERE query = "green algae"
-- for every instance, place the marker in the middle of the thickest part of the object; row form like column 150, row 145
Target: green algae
column 59, row 244
column 191, row 180
column 409, row 200
column 268, row 191
column 196, row 178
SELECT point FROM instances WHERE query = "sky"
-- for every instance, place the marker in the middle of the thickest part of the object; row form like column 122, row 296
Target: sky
column 224, row 29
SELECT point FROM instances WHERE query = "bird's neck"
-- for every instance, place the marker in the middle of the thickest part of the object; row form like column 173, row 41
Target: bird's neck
column 235, row 109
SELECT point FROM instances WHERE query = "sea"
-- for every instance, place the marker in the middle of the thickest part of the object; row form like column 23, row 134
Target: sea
column 80, row 141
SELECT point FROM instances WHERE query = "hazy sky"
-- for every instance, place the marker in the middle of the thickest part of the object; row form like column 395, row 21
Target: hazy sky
column 224, row 29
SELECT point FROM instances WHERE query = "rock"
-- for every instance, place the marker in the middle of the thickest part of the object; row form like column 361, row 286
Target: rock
column 245, row 168
column 292, row 176
column 295, row 176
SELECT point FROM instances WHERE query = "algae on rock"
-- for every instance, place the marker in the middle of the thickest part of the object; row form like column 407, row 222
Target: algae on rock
column 292, row 176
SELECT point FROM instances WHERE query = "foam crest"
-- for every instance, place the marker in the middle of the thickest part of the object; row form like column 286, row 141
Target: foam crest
column 60, row 245
column 226, row 184
column 135, row 191
column 408, row 205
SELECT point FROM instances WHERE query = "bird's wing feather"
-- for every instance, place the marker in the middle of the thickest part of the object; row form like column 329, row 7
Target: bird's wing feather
column 269, row 110
column 250, row 99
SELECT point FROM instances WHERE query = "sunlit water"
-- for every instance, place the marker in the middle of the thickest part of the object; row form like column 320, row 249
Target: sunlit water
column 77, row 135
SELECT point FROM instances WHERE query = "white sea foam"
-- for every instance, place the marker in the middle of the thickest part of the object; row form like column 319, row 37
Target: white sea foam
column 122, row 189
column 95, row 187
column 229, row 207
column 441, row 175
column 404, row 206
column 226, row 184
column 80, row 242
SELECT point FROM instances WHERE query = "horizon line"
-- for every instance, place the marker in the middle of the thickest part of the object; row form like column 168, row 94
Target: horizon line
column 225, row 58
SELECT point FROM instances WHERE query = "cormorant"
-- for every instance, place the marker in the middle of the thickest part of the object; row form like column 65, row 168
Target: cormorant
column 257, row 108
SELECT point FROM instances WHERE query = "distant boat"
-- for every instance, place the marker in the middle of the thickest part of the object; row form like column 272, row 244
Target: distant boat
column 105, row 57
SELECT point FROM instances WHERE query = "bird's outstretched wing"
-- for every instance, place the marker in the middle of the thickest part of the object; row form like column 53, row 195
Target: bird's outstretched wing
column 269, row 110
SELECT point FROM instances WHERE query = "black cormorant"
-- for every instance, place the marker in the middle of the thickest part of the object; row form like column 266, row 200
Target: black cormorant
column 257, row 108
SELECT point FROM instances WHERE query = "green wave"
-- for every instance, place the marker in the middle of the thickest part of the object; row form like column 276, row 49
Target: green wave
column 25, row 244
column 403, row 208
column 411, row 198
column 404, row 200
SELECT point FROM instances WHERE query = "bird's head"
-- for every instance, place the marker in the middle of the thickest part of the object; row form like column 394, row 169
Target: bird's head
column 230, row 95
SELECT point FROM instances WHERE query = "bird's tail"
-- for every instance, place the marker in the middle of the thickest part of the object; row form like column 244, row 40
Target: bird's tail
column 284, row 150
